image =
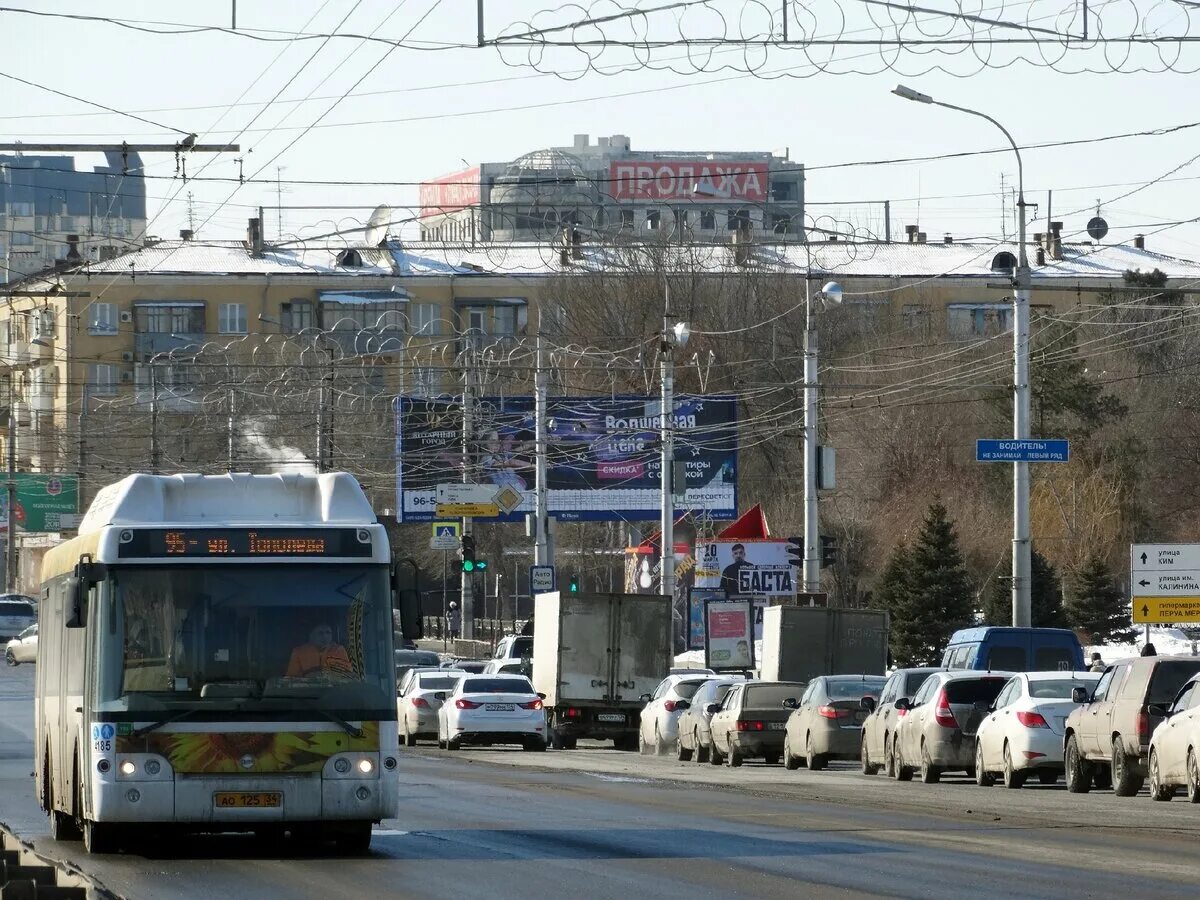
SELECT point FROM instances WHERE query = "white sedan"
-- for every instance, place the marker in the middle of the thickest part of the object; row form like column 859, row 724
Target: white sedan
column 491, row 709
column 417, row 704
column 22, row 648
column 658, row 725
column 1022, row 734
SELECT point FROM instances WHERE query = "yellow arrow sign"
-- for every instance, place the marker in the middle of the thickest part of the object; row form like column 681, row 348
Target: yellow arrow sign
column 1152, row 610
column 470, row 510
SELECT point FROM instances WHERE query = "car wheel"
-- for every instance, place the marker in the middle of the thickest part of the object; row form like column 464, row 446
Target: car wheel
column 889, row 758
column 983, row 777
column 816, row 761
column 1078, row 770
column 682, row 753
column 643, row 747
column 714, row 755
column 410, row 739
column 1125, row 782
column 1048, row 777
column 864, row 757
column 702, row 750
column 8, row 656
column 1158, row 790
column 1193, row 777
column 660, row 746
column 734, row 759
column 1013, row 777
column 930, row 774
column 904, row 773
column 790, row 762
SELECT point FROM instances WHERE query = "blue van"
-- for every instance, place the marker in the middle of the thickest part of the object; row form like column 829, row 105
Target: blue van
column 1014, row 650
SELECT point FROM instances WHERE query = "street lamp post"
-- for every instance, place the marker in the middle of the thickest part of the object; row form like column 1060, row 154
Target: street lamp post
column 674, row 334
column 1021, row 548
column 830, row 294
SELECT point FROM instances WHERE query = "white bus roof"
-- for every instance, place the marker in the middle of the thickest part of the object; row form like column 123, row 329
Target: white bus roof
column 334, row 498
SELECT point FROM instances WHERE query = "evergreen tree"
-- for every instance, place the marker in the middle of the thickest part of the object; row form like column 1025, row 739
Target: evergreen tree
column 927, row 591
column 1045, row 595
column 1096, row 604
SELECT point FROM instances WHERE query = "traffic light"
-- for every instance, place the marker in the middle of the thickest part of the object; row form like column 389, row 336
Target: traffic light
column 466, row 553
column 573, row 585
column 828, row 550
column 481, row 565
column 795, row 552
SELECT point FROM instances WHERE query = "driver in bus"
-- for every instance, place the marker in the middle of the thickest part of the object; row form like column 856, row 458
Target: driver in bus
column 320, row 656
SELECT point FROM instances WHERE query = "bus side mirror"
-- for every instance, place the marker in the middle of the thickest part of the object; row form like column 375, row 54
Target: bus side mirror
column 76, row 611
column 407, row 600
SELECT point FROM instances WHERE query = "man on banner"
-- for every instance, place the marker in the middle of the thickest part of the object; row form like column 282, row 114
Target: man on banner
column 729, row 575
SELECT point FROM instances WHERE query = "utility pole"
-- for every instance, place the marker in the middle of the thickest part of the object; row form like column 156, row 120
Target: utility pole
column 667, row 439
column 10, row 541
column 229, row 456
column 812, row 539
column 154, row 464
column 467, row 594
column 543, row 548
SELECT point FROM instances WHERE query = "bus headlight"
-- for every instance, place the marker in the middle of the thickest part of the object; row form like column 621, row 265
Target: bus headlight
column 366, row 766
column 128, row 767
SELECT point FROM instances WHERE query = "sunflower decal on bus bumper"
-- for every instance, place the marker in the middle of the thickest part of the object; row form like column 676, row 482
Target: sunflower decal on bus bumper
column 198, row 753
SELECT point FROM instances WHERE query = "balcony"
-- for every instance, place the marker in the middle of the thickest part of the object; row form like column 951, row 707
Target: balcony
column 148, row 343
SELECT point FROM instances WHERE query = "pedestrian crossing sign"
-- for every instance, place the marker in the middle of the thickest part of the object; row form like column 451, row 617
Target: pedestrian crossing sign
column 445, row 536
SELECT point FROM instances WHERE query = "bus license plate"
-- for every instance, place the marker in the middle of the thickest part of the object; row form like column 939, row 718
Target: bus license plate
column 245, row 800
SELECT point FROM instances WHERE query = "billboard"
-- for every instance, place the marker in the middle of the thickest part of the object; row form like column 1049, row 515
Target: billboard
column 603, row 455
column 757, row 567
column 677, row 179
column 450, row 193
column 41, row 500
column 729, row 635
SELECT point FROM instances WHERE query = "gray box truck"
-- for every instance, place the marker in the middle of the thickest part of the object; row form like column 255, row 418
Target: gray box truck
column 802, row 642
column 594, row 655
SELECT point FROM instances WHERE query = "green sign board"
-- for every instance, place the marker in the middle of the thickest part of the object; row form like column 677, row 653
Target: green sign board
column 41, row 500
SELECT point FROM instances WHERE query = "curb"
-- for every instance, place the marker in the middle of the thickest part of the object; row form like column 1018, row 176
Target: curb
column 27, row 874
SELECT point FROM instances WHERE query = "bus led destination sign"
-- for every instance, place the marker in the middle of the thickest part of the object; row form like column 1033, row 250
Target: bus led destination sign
column 166, row 543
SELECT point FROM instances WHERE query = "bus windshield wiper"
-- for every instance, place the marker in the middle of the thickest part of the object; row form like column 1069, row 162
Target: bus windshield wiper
column 338, row 720
column 154, row 726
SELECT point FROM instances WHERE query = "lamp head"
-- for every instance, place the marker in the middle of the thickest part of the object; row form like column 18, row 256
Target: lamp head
column 831, row 294
column 680, row 333
column 909, row 94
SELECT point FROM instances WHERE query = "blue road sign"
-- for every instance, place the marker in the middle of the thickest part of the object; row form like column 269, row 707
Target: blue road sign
column 1012, row 450
column 542, row 579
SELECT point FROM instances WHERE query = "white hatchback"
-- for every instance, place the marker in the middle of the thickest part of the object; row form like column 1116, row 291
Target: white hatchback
column 22, row 648
column 1022, row 734
column 491, row 709
column 658, row 723
column 417, row 704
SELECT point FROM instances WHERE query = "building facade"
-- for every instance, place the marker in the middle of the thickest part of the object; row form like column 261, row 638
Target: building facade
column 608, row 189
column 50, row 212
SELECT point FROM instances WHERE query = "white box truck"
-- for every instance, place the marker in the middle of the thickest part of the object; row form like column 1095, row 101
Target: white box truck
column 594, row 656
column 802, row 642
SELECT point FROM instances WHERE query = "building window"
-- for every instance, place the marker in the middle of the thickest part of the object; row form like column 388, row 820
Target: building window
column 506, row 320
column 22, row 239
column 781, row 224
column 979, row 318
column 66, row 223
column 627, row 219
column 425, row 318
column 20, row 208
column 296, row 317
column 169, row 319
column 477, row 321
column 681, row 219
column 653, row 220
column 102, row 378
column 737, row 218
column 231, row 318
column 102, row 318
column 783, row 191
column 708, row 220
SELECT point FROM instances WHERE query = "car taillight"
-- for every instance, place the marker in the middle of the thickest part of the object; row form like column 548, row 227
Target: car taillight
column 532, row 704
column 1143, row 724
column 750, row 725
column 832, row 712
column 421, row 703
column 463, row 703
column 1031, row 719
column 942, row 713
column 669, row 705
column 573, row 713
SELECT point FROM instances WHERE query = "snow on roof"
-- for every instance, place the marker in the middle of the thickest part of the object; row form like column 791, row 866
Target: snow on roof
column 844, row 259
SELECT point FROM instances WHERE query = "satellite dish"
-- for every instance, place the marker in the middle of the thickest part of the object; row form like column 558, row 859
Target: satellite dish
column 1097, row 228
column 377, row 226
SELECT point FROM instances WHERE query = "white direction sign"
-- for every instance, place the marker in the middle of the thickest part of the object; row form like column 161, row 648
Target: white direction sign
column 1165, row 570
column 455, row 493
column 541, row 579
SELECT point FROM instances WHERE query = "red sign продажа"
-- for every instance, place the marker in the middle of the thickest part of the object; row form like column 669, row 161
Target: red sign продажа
column 450, row 193
column 671, row 180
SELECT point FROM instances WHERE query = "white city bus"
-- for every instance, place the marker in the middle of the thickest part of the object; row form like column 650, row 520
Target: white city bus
column 216, row 652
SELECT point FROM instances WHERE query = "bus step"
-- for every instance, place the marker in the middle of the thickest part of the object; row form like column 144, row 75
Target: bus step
column 38, row 874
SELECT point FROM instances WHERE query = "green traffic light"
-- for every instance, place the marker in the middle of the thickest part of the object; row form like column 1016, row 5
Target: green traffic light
column 468, row 565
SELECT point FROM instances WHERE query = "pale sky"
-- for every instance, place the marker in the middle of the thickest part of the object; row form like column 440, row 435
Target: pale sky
column 414, row 117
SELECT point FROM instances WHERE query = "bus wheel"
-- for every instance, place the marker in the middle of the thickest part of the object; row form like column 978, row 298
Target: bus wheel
column 354, row 838
column 63, row 827
column 100, row 837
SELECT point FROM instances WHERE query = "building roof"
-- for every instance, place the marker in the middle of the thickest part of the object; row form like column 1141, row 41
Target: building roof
column 842, row 259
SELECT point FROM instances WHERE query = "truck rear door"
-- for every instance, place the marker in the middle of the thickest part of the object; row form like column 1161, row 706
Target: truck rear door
column 584, row 630
column 642, row 645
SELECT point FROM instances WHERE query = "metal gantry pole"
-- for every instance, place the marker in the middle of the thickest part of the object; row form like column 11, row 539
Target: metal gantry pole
column 467, row 592
column 543, row 549
column 10, row 540
column 1022, row 550
column 667, row 437
column 812, row 540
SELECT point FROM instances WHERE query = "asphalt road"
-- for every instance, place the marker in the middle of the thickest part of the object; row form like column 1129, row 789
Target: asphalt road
column 598, row 823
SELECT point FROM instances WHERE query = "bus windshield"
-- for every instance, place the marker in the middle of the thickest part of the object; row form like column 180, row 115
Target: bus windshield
column 258, row 641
